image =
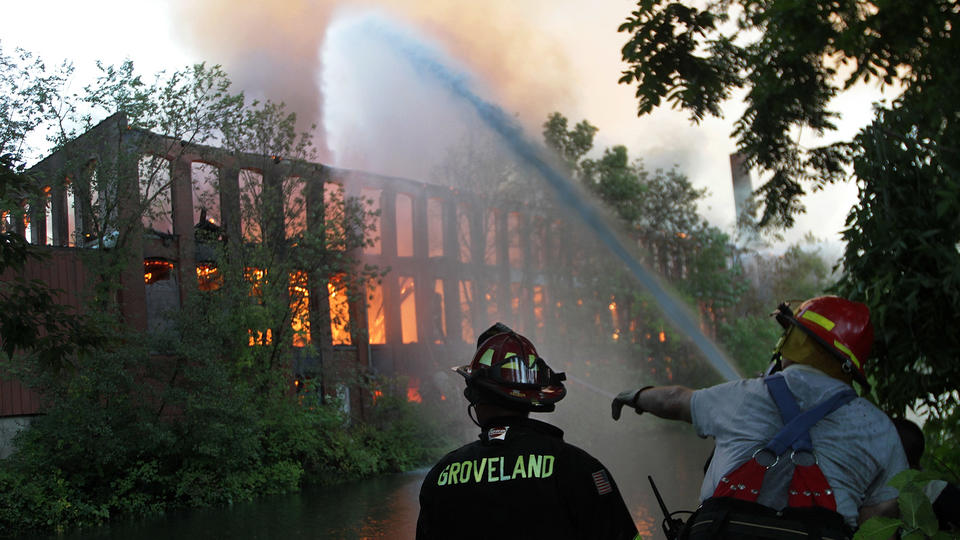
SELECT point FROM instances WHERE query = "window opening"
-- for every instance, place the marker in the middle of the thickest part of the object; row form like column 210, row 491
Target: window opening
column 208, row 277
column 333, row 211
column 339, row 310
column 539, row 301
column 490, row 228
column 205, row 181
column 515, row 253
column 404, row 225
column 251, row 205
column 300, row 308
column 371, row 201
column 71, row 215
column 155, row 194
column 376, row 327
column 490, row 296
column 162, row 293
column 438, row 313
column 48, row 214
column 466, row 311
column 408, row 310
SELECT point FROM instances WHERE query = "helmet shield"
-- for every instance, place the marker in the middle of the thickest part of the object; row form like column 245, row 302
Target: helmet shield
column 514, row 369
column 508, row 364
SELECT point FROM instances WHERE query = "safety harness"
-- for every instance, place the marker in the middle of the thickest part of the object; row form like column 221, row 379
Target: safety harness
column 733, row 506
column 808, row 487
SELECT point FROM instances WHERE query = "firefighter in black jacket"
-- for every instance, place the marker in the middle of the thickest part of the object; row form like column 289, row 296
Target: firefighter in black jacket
column 520, row 480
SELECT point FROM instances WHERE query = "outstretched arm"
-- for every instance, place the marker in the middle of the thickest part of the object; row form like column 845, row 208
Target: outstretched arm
column 670, row 402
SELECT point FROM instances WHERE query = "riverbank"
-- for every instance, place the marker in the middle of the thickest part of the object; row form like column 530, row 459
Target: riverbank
column 70, row 476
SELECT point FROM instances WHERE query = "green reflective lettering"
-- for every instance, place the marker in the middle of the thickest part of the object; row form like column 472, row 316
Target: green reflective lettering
column 478, row 471
column 547, row 466
column 518, row 470
column 465, row 471
column 454, row 469
column 502, row 477
column 533, row 466
column 490, row 477
column 442, row 481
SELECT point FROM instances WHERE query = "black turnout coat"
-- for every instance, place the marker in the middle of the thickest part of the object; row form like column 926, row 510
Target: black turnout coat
column 521, row 480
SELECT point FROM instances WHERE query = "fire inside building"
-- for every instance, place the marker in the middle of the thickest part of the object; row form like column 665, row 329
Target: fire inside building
column 454, row 261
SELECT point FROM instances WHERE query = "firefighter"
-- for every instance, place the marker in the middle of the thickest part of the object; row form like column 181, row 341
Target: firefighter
column 520, row 479
column 796, row 450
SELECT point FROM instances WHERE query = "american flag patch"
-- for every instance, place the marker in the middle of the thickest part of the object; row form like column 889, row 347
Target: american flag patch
column 602, row 482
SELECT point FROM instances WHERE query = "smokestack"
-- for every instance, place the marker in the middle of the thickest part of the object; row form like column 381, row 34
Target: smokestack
column 742, row 185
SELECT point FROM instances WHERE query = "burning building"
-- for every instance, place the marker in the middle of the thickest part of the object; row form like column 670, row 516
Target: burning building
column 456, row 263
column 452, row 260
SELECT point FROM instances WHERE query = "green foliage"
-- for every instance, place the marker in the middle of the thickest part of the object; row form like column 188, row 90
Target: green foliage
column 30, row 95
column 572, row 145
column 750, row 341
column 917, row 519
column 102, row 452
column 942, row 453
column 902, row 259
column 792, row 58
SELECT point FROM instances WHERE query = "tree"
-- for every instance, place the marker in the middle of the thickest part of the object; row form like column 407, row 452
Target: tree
column 804, row 54
column 902, row 259
column 31, row 321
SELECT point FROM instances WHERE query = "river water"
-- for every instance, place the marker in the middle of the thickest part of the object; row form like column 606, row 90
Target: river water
column 381, row 507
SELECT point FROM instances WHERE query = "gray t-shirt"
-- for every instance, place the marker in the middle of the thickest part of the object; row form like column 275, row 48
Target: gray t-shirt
column 857, row 446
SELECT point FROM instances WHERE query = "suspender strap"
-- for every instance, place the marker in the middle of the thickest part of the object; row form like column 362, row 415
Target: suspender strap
column 808, row 486
column 796, row 430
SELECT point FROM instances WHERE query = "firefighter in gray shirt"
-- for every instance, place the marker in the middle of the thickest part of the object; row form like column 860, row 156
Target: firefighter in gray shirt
column 796, row 450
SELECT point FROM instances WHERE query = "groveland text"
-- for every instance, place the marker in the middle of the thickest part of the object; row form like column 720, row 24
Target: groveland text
column 496, row 469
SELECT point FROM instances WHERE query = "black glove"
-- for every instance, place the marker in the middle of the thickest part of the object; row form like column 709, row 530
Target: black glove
column 627, row 397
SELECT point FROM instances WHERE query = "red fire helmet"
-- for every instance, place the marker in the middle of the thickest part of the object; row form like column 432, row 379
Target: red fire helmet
column 508, row 365
column 840, row 325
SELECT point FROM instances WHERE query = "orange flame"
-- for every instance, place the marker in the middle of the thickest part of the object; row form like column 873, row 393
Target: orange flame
column 300, row 309
column 208, row 277
column 339, row 311
column 375, row 321
column 413, row 395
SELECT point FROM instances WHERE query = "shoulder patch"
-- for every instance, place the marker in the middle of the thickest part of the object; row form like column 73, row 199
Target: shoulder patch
column 602, row 482
column 497, row 433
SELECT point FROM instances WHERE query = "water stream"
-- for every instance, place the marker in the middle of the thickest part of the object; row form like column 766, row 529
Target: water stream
column 458, row 84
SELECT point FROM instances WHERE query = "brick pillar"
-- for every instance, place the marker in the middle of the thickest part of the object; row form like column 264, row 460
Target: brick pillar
column 181, row 194
column 388, row 247
column 230, row 206
column 421, row 271
column 451, row 256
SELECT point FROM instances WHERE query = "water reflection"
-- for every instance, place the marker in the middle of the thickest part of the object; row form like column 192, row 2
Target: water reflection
column 383, row 507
